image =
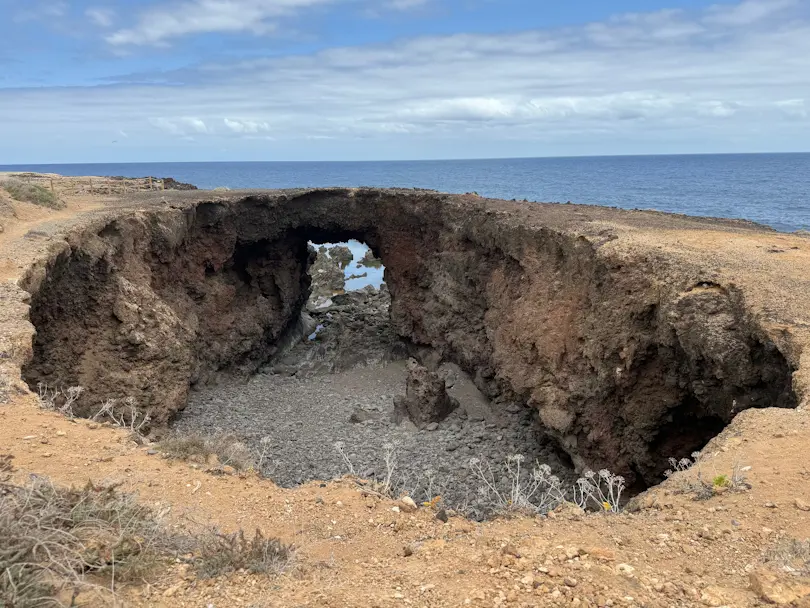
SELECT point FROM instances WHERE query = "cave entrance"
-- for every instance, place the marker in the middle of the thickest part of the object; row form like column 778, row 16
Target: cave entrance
column 345, row 322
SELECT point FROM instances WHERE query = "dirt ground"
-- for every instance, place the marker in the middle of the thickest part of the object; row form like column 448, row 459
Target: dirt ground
column 354, row 549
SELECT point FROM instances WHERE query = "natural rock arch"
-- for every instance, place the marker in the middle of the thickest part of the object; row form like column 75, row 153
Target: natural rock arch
column 629, row 357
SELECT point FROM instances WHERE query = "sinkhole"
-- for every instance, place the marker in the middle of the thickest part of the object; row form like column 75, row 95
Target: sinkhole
column 245, row 315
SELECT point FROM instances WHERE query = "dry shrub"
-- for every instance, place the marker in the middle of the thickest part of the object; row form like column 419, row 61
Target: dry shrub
column 32, row 193
column 225, row 553
column 6, row 468
column 790, row 555
column 228, row 449
column 51, row 538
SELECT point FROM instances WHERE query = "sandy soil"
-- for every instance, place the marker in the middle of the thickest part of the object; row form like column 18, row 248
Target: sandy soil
column 351, row 547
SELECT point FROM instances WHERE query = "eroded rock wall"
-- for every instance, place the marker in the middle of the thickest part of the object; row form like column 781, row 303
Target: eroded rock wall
column 630, row 357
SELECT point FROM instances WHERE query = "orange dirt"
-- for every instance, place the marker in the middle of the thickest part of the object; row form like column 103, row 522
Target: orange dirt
column 351, row 547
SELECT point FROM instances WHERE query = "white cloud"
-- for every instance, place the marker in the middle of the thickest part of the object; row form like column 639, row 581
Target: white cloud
column 185, row 126
column 747, row 12
column 645, row 82
column 795, row 108
column 102, row 17
column 246, row 126
column 158, row 25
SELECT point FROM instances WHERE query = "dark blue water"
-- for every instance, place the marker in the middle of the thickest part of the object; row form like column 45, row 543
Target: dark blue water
column 773, row 189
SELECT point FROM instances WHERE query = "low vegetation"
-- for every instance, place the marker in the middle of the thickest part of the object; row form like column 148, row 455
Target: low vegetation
column 225, row 553
column 217, row 450
column 57, row 543
column 703, row 486
column 790, row 555
column 32, row 193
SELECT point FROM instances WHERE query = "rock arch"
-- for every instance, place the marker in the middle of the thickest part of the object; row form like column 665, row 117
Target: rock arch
column 629, row 357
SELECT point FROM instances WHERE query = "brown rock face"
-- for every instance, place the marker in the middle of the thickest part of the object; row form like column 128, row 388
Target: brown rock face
column 426, row 399
column 630, row 354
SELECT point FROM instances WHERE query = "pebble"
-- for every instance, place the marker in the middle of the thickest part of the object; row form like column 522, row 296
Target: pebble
column 801, row 505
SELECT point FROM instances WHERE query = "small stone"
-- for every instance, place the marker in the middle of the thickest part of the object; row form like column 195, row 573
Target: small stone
column 228, row 470
column 93, row 426
column 395, row 509
column 771, row 505
column 407, row 551
column 407, row 504
column 626, row 569
column 442, row 516
column 61, row 434
column 151, row 452
column 212, row 460
column 570, row 582
column 432, row 426
column 510, row 549
column 801, row 505
column 600, row 553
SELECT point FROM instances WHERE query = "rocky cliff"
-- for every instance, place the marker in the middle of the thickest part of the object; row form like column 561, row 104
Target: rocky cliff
column 630, row 350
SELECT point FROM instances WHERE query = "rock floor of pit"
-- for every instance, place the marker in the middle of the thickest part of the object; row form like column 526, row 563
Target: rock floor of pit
column 298, row 422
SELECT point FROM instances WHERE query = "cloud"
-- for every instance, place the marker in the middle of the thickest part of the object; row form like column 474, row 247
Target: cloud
column 246, row 126
column 795, row 108
column 748, row 12
column 102, row 17
column 652, row 81
column 185, row 126
column 43, row 10
column 158, row 25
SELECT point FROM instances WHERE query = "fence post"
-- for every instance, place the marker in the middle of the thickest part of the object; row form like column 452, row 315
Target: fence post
column 150, row 183
column 52, row 190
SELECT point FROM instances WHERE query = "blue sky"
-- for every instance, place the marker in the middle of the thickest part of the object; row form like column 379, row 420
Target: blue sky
column 192, row 80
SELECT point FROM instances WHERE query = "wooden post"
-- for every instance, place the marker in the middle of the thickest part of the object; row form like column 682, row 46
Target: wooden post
column 150, row 183
column 52, row 190
column 162, row 185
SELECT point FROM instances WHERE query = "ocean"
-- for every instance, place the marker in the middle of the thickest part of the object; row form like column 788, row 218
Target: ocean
column 772, row 189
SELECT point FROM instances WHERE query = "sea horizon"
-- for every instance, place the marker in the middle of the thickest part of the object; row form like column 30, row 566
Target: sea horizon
column 770, row 188
column 405, row 160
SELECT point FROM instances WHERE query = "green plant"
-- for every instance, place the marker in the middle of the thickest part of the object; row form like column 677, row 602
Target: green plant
column 721, row 481
column 32, row 193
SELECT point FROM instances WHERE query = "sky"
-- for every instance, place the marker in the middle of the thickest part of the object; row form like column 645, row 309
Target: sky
column 207, row 80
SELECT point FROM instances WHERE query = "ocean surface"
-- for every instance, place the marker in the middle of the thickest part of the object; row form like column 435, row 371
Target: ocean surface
column 772, row 189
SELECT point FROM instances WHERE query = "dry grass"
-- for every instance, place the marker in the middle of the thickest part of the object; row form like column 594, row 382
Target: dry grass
column 790, row 555
column 52, row 539
column 225, row 553
column 228, row 450
column 32, row 193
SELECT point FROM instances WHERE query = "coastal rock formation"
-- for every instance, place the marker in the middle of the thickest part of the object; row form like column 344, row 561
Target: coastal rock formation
column 629, row 353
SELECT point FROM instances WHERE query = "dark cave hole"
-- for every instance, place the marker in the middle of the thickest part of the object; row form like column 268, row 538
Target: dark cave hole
column 685, row 431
